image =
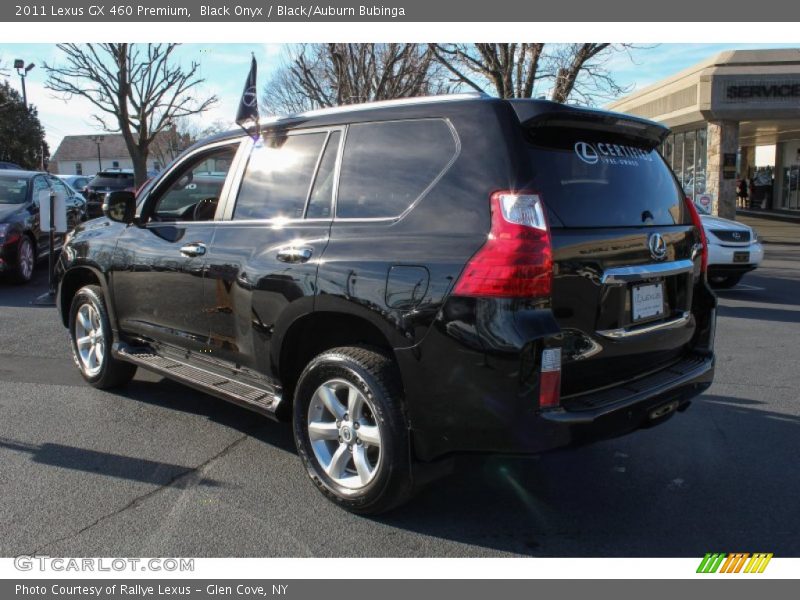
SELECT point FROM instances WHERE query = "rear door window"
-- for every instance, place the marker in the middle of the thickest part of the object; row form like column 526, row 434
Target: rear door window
column 597, row 179
column 59, row 186
column 319, row 203
column 387, row 166
column 39, row 185
column 278, row 177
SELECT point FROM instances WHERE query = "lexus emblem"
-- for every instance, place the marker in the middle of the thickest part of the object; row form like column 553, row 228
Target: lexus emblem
column 586, row 153
column 657, row 245
column 250, row 97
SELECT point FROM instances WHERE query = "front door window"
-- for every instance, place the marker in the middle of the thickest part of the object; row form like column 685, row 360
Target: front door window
column 193, row 192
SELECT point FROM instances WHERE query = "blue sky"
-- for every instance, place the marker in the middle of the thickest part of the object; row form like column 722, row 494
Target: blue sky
column 224, row 66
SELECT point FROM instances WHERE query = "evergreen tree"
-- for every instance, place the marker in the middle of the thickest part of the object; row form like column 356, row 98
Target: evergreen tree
column 21, row 134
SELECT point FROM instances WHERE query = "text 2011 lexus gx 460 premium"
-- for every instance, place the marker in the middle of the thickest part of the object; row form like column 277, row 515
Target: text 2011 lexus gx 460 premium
column 407, row 280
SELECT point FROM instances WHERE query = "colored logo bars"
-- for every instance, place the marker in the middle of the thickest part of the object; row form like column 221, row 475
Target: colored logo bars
column 734, row 563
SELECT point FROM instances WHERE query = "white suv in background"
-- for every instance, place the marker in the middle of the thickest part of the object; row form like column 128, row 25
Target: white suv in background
column 733, row 250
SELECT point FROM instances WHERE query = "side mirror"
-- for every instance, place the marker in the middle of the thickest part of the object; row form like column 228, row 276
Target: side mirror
column 120, row 206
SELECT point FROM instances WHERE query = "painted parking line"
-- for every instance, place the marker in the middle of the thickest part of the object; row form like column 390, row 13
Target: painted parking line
column 742, row 287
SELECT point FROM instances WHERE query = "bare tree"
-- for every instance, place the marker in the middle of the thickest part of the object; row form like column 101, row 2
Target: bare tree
column 283, row 94
column 576, row 72
column 180, row 135
column 582, row 74
column 138, row 89
column 511, row 69
column 170, row 142
column 323, row 75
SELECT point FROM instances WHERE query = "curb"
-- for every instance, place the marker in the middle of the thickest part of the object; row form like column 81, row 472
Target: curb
column 777, row 243
column 770, row 216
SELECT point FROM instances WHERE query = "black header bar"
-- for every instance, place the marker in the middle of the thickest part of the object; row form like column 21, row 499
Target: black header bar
column 399, row 11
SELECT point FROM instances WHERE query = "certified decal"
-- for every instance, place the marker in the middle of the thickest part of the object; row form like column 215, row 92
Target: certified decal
column 611, row 154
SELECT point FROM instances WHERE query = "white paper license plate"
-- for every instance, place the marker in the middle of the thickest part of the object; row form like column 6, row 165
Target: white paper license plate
column 647, row 301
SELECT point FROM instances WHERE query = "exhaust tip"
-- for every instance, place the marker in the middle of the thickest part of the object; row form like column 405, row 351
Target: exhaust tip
column 662, row 411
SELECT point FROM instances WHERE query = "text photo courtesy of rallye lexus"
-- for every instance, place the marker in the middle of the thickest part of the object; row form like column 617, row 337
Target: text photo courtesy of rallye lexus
column 407, row 281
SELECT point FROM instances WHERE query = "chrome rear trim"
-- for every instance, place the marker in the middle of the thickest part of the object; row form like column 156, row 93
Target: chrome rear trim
column 626, row 332
column 623, row 275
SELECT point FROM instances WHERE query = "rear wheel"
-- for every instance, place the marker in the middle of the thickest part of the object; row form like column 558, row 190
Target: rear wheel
column 350, row 430
column 724, row 281
column 91, row 335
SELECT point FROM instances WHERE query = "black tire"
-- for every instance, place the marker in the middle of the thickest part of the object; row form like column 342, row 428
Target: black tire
column 724, row 281
column 26, row 260
column 111, row 372
column 376, row 377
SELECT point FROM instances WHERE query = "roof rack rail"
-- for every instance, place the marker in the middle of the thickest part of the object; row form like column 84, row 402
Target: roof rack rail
column 378, row 104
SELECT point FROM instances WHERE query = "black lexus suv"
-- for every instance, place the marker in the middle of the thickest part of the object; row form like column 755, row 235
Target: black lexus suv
column 102, row 184
column 406, row 281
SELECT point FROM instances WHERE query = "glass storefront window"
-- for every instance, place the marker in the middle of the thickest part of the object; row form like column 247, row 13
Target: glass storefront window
column 677, row 157
column 688, row 163
column 686, row 153
column 700, row 162
column 666, row 150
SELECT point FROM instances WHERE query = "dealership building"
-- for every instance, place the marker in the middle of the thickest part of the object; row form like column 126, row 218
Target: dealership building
column 734, row 115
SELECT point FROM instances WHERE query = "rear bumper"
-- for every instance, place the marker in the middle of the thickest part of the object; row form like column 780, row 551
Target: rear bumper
column 472, row 386
column 641, row 403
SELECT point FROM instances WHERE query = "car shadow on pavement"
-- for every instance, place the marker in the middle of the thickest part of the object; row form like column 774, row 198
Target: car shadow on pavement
column 108, row 464
column 774, row 289
column 717, row 476
column 151, row 389
column 24, row 295
column 713, row 477
column 759, row 313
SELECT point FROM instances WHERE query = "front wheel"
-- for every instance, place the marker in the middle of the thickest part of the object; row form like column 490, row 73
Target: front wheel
column 91, row 336
column 26, row 260
column 350, row 430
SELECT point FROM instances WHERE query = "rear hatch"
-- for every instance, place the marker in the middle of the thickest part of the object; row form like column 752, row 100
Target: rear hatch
column 105, row 182
column 625, row 250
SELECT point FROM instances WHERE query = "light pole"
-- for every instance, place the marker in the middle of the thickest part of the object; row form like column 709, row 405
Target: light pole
column 23, row 71
column 97, row 139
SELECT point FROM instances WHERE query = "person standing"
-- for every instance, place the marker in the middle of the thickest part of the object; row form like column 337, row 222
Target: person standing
column 741, row 193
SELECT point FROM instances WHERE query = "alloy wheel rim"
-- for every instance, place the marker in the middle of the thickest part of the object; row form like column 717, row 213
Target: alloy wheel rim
column 344, row 434
column 89, row 339
column 26, row 258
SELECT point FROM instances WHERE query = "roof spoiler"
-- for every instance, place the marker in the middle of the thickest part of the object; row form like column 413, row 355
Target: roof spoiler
column 539, row 113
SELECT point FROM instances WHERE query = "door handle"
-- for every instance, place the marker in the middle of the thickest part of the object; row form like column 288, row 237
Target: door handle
column 295, row 254
column 194, row 249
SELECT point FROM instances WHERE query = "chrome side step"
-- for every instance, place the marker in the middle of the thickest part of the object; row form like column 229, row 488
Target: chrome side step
column 263, row 397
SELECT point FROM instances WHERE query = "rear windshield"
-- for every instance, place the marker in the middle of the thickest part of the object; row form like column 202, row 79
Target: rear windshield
column 597, row 179
column 112, row 180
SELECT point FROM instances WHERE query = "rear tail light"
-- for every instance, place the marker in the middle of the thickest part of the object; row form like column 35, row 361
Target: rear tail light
column 699, row 225
column 517, row 259
column 550, row 381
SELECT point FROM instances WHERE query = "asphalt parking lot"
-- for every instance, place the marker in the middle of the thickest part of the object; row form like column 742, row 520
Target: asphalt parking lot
column 160, row 470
